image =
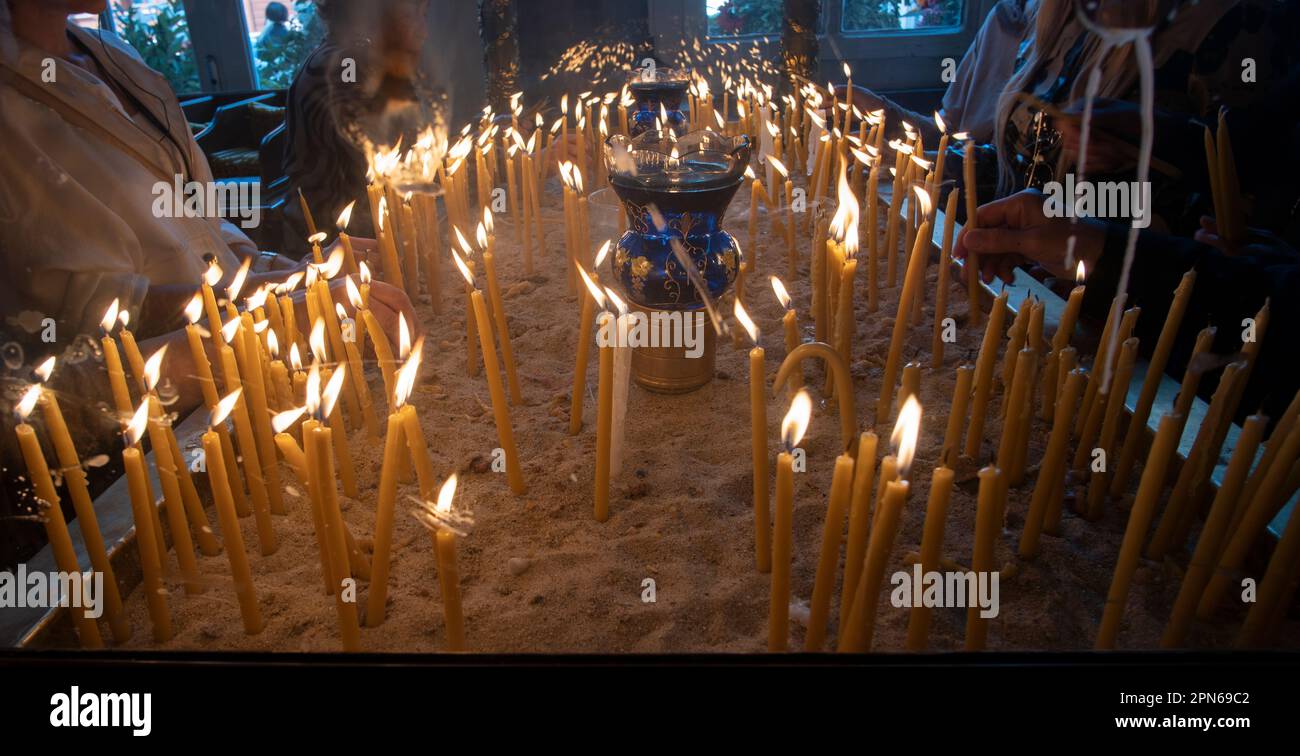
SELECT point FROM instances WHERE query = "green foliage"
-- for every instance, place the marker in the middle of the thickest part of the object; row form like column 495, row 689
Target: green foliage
column 277, row 62
column 162, row 37
column 736, row 17
column 873, row 15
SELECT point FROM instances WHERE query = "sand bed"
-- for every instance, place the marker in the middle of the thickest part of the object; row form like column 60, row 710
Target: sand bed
column 539, row 574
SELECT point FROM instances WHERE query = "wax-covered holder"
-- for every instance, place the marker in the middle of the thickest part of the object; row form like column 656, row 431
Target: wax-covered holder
column 675, row 192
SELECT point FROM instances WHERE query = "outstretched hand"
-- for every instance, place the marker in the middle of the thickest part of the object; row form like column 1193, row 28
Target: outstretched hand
column 1016, row 231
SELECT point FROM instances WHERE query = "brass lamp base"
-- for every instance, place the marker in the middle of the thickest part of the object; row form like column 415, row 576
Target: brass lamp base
column 669, row 369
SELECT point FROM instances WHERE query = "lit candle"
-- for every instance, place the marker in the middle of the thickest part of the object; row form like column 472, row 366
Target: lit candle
column 1153, row 481
column 912, row 282
column 345, row 241
column 1011, row 437
column 1260, row 508
column 247, row 445
column 971, row 267
column 793, row 428
column 584, row 341
column 858, row 633
column 319, row 451
column 1060, row 340
column 1052, row 469
column 984, row 375
column 146, row 540
column 844, row 226
column 957, row 415
column 113, row 363
column 254, row 382
column 74, row 477
column 758, row 441
column 500, row 410
column 499, row 308
column 987, row 522
column 166, row 468
column 1201, row 565
column 936, row 514
column 224, row 503
column 357, row 374
column 56, row 528
column 472, row 335
column 442, row 521
column 828, row 563
column 855, row 547
column 941, row 289
column 1100, row 479
column 790, row 327
column 392, row 267
column 398, row 430
column 1151, row 383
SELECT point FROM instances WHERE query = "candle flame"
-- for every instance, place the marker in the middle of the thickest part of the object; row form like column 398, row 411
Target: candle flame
column 403, row 336
column 406, row 375
column 345, row 217
column 746, row 322
column 488, row 223
column 592, row 287
column 237, row 283
column 258, row 299
column 383, row 202
column 464, row 269
column 354, row 294
column 333, row 264
column 938, row 121
column 153, row 368
column 45, row 369
column 779, row 166
column 480, row 235
column 110, row 317
column 332, row 390
column 135, row 428
column 602, row 253
column 446, row 494
column 1080, row 273
column 312, row 392
column 618, row 302
column 906, row 430
column 961, row 136
column 224, row 408
column 284, row 420
column 295, row 357
column 844, row 224
column 782, row 295
column 317, row 340
column 795, row 422
column 212, row 276
column 363, row 272
column 923, row 197
column 462, row 241
column 28, row 402
column 194, row 309
column 290, row 283
column 272, row 344
column 124, row 317
column 230, row 329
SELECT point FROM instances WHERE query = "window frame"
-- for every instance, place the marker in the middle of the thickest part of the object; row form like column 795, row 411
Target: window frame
column 916, row 55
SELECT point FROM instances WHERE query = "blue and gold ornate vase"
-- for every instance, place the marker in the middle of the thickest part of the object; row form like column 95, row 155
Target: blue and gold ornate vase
column 658, row 94
column 675, row 192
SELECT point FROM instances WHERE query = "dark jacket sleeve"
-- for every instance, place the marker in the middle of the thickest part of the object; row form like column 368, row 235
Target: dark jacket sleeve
column 1228, row 290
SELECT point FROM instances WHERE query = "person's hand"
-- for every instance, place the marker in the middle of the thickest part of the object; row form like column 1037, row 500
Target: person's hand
column 387, row 303
column 1113, row 135
column 1015, row 231
column 1258, row 240
column 363, row 250
column 863, row 99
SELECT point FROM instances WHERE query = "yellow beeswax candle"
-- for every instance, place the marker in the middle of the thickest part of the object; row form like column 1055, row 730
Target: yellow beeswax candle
column 936, row 514
column 828, row 563
column 1153, row 479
